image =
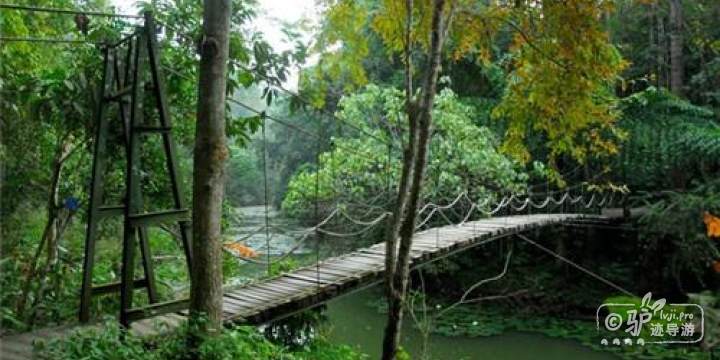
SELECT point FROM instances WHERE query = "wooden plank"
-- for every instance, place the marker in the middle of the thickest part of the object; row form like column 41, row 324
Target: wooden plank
column 233, row 302
column 429, row 245
column 371, row 255
column 346, row 274
column 365, row 262
column 373, row 251
column 115, row 286
column 300, row 282
column 277, row 289
column 312, row 276
column 283, row 286
column 154, row 218
column 251, row 292
column 348, row 268
column 313, row 273
column 339, row 272
column 267, row 293
column 374, row 259
column 157, row 309
column 246, row 296
column 235, row 306
column 308, row 279
column 259, row 301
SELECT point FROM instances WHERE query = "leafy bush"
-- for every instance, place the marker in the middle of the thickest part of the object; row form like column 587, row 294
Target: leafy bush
column 463, row 156
column 109, row 342
column 104, row 342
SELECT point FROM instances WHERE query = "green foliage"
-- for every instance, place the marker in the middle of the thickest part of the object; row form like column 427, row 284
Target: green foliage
column 670, row 142
column 561, row 64
column 48, row 103
column 563, row 69
column 279, row 267
column 402, row 354
column 102, row 343
column 462, row 155
column 109, row 342
column 245, row 179
column 710, row 302
column 673, row 230
column 296, row 331
column 640, row 30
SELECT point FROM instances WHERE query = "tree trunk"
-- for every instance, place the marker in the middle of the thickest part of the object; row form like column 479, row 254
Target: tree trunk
column 661, row 52
column 209, row 169
column 677, row 68
column 394, row 299
column 421, row 117
column 62, row 219
column 49, row 239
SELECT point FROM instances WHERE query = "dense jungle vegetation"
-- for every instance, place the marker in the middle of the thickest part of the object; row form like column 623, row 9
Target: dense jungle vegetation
column 532, row 97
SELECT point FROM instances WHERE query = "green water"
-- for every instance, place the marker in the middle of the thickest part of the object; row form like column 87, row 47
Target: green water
column 355, row 323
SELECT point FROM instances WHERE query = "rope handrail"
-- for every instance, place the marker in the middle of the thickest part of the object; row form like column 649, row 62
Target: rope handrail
column 510, row 201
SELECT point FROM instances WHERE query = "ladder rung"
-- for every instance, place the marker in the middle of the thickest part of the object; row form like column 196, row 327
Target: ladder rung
column 111, row 210
column 157, row 309
column 152, row 129
column 158, row 217
column 119, row 94
column 123, row 40
column 115, row 286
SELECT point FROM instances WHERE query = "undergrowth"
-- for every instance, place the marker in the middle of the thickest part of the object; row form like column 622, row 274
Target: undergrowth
column 109, row 342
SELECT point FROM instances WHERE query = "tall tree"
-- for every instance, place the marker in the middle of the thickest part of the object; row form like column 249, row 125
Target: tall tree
column 209, row 167
column 419, row 115
column 677, row 68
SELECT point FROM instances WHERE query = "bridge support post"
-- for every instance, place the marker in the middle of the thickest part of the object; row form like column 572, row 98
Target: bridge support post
column 124, row 84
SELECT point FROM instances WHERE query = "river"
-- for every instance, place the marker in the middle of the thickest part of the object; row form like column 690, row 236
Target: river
column 354, row 323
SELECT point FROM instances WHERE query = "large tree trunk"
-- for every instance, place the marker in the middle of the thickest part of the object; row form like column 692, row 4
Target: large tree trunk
column 209, row 169
column 677, row 68
column 420, row 118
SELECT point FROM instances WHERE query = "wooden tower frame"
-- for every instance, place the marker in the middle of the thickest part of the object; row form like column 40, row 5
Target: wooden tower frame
column 124, row 83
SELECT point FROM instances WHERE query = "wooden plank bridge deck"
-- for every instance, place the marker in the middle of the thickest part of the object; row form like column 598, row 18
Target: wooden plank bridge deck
column 307, row 287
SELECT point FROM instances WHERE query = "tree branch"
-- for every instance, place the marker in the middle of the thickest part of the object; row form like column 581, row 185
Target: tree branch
column 463, row 298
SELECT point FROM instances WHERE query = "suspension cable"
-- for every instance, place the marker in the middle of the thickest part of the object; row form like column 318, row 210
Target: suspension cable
column 49, row 40
column 276, row 119
column 289, row 92
column 575, row 265
column 265, row 180
column 307, row 102
column 65, row 11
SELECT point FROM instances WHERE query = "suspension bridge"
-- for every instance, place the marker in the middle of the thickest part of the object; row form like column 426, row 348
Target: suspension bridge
column 441, row 231
column 289, row 293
